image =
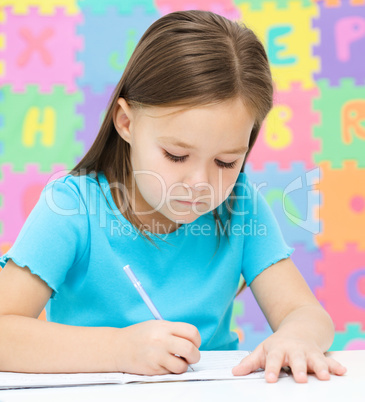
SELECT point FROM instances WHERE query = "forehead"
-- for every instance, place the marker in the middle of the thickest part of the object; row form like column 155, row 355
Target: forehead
column 230, row 118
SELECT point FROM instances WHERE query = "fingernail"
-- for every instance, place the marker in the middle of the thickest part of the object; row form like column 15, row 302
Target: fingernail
column 302, row 374
column 323, row 373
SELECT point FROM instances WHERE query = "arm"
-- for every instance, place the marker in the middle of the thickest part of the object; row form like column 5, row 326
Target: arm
column 31, row 345
column 34, row 346
column 303, row 330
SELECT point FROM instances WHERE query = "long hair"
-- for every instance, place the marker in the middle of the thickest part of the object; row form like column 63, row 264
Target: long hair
column 186, row 59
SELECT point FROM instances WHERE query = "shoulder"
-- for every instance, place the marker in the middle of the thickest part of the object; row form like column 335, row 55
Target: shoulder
column 69, row 183
column 69, row 192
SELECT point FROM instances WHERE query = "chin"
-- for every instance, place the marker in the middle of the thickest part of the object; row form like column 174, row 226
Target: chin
column 185, row 219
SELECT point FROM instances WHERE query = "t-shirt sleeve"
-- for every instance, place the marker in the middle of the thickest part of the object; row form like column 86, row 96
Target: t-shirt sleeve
column 55, row 235
column 263, row 243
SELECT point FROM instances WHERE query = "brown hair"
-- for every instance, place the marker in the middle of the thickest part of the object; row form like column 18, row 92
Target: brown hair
column 188, row 59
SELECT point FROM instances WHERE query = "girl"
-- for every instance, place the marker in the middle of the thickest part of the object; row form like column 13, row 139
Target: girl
column 163, row 189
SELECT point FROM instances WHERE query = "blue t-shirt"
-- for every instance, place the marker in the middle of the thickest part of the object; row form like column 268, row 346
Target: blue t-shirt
column 78, row 245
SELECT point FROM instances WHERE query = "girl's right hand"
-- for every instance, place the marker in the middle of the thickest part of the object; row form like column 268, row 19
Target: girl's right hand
column 150, row 347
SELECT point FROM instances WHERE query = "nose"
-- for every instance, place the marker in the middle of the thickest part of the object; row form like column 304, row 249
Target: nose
column 198, row 179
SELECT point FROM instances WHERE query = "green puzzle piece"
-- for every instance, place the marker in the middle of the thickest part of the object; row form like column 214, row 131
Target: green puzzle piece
column 40, row 128
column 257, row 4
column 353, row 332
column 331, row 131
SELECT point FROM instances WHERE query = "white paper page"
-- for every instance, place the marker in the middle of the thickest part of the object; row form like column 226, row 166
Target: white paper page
column 26, row 380
column 213, row 365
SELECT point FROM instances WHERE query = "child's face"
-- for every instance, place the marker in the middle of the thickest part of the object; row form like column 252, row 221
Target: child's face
column 204, row 174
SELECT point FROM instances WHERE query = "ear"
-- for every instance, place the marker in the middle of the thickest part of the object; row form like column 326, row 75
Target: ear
column 122, row 119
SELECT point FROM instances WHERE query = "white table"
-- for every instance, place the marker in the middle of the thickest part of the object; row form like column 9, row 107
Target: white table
column 348, row 388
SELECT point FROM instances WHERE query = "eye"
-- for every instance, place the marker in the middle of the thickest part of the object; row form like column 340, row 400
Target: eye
column 230, row 165
column 174, row 158
column 221, row 164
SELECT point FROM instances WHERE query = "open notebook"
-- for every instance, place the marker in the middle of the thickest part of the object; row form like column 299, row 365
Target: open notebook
column 213, row 365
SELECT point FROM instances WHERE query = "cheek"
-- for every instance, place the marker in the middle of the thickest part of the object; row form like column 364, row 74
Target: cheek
column 224, row 183
column 149, row 184
column 149, row 158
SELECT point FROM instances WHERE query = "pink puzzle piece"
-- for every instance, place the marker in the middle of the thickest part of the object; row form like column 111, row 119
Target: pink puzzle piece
column 36, row 53
column 226, row 8
column 20, row 192
column 343, row 291
column 289, row 137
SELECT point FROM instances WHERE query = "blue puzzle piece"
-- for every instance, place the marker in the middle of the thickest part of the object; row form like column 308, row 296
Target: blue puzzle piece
column 105, row 56
column 123, row 6
column 293, row 199
column 253, row 338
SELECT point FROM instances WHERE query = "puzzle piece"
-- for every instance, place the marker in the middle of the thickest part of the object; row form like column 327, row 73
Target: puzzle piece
column 45, row 7
column 92, row 109
column 343, row 291
column 236, row 312
column 42, row 129
column 38, row 54
column 4, row 247
column 106, row 59
column 2, row 42
column 341, row 132
column 20, row 192
column 226, row 8
column 337, row 3
column 252, row 338
column 122, row 6
column 305, row 261
column 342, row 45
column 293, row 199
column 342, row 190
column 258, row 4
column 252, row 313
column 350, row 339
column 284, row 134
column 288, row 38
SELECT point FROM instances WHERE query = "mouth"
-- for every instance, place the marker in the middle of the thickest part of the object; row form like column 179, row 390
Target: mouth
column 190, row 202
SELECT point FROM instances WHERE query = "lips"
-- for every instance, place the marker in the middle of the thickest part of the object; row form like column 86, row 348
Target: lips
column 190, row 202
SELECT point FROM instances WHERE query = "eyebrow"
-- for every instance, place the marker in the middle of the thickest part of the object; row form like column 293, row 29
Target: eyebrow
column 182, row 144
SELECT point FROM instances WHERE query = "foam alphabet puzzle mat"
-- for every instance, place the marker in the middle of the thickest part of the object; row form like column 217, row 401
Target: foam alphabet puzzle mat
column 61, row 59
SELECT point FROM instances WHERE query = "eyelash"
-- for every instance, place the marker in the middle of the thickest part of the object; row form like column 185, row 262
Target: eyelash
column 175, row 158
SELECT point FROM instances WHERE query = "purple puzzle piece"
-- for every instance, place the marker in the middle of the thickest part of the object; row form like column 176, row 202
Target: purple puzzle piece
column 342, row 45
column 252, row 313
column 93, row 110
column 305, row 261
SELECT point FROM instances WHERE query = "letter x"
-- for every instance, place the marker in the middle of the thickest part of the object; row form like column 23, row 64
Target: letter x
column 35, row 44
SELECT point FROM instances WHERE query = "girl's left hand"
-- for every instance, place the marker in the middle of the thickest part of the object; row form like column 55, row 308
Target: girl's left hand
column 279, row 350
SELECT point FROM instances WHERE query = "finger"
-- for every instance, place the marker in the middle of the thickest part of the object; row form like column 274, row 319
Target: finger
column 298, row 364
column 274, row 363
column 185, row 349
column 186, row 331
column 335, row 367
column 250, row 363
column 319, row 366
column 174, row 364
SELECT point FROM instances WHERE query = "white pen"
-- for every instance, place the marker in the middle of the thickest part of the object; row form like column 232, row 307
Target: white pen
column 145, row 297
